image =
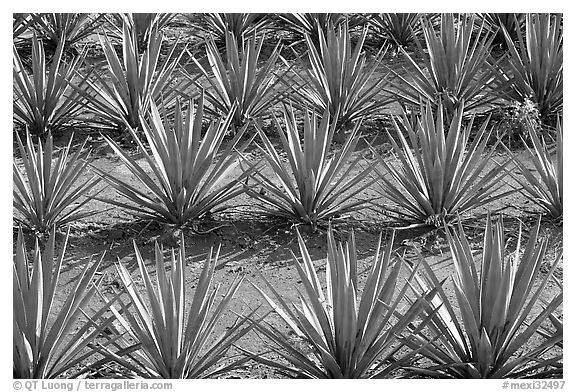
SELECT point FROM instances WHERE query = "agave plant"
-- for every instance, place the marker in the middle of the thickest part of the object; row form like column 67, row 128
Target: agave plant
column 237, row 82
column 122, row 93
column 20, row 24
column 546, row 188
column 188, row 176
column 143, row 24
column 397, row 28
column 310, row 24
column 315, row 186
column 240, row 25
column 66, row 28
column 440, row 174
column 159, row 339
column 44, row 100
column 554, row 327
column 47, row 194
column 535, row 69
column 502, row 22
column 457, row 66
column 42, row 345
column 341, row 333
column 339, row 77
column 488, row 334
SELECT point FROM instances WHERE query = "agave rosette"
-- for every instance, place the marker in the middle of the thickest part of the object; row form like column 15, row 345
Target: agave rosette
column 42, row 346
column 188, row 170
column 238, row 81
column 397, row 28
column 156, row 339
column 44, row 100
column 489, row 334
column 534, row 69
column 546, row 187
column 49, row 192
column 144, row 24
column 241, row 25
column 440, row 174
column 310, row 24
column 66, row 28
column 122, row 92
column 345, row 334
column 315, row 183
column 457, row 66
column 339, row 78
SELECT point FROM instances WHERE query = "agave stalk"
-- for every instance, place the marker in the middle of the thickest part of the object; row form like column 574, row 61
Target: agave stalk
column 546, row 188
column 123, row 93
column 457, row 66
column 345, row 334
column 398, row 29
column 535, row 67
column 238, row 82
column 313, row 186
column 159, row 338
column 188, row 177
column 487, row 335
column 440, row 174
column 43, row 347
column 48, row 192
column 339, row 77
column 44, row 100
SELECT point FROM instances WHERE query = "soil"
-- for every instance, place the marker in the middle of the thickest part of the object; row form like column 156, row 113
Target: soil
column 260, row 247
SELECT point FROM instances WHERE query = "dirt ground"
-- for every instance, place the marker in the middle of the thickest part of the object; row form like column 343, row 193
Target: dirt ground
column 260, row 247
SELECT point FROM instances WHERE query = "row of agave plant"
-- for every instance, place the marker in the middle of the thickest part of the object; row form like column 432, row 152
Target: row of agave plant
column 453, row 63
column 402, row 322
column 437, row 172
